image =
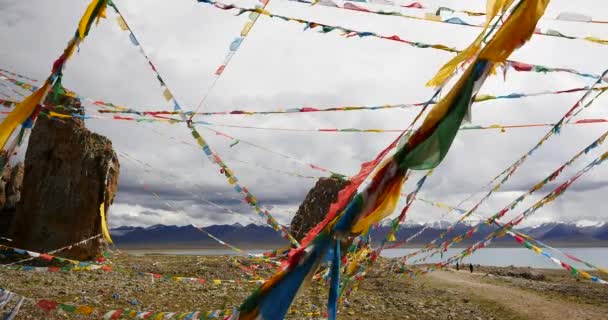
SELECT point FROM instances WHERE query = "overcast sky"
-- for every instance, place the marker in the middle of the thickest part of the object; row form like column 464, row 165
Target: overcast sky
column 280, row 66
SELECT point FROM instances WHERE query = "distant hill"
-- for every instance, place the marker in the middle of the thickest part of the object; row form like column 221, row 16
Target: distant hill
column 162, row 236
column 263, row 237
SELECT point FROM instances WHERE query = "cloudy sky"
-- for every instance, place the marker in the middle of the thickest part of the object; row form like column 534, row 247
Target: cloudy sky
column 280, row 66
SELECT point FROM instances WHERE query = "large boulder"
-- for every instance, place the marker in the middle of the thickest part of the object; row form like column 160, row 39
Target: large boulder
column 10, row 193
column 69, row 172
column 316, row 205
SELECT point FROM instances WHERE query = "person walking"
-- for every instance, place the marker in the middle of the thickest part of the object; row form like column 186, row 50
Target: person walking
column 471, row 267
column 457, row 267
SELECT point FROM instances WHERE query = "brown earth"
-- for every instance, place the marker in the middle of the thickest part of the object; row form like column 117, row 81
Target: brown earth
column 440, row 295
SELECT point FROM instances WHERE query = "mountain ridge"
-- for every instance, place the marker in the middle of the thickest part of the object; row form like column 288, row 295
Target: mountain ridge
column 262, row 236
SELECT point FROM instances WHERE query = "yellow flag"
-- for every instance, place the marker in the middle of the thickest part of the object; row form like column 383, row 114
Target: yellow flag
column 246, row 28
column 122, row 24
column 87, row 18
column 84, row 310
column 492, row 9
column 104, row 223
column 59, row 115
column 22, row 111
column 518, row 29
column 167, row 94
column 387, row 203
column 596, row 40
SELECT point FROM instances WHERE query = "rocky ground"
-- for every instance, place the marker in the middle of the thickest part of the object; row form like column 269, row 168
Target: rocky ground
column 489, row 293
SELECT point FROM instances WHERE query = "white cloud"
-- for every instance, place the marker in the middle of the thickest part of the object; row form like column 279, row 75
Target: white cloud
column 279, row 66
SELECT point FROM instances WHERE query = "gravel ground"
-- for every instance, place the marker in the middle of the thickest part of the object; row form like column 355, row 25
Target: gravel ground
column 380, row 296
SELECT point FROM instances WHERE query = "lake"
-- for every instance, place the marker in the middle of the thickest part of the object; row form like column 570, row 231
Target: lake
column 499, row 257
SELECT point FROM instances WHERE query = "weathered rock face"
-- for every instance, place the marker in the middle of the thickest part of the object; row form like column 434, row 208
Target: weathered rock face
column 316, row 205
column 10, row 194
column 69, row 172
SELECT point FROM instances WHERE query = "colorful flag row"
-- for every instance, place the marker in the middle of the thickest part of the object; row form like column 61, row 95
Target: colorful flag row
column 25, row 112
column 73, row 268
column 347, row 32
column 124, row 110
column 562, row 16
column 49, row 255
column 437, row 17
column 520, row 234
column 232, row 247
column 478, row 98
column 17, row 75
column 550, row 178
column 509, row 171
column 422, row 150
column 238, row 41
column 7, row 103
column 213, row 157
column 526, row 244
column 49, row 306
column 197, row 280
column 501, row 127
column 550, row 197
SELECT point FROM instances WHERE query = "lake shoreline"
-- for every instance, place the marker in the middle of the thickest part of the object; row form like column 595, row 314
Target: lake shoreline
column 493, row 256
column 269, row 247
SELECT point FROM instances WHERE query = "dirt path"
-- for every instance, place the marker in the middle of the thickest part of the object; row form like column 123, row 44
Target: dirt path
column 526, row 304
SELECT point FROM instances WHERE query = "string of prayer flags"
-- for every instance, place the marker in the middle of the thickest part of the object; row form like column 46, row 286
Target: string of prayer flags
column 7, row 103
column 202, row 229
column 238, row 41
column 16, row 82
column 575, row 272
column 438, row 11
column 123, row 110
column 215, row 158
column 166, row 92
column 196, row 280
column 502, row 127
column 550, row 197
column 86, row 310
column 220, row 241
column 350, row 33
column 551, row 177
column 515, row 234
column 437, row 17
column 249, row 198
column 390, row 237
column 2, row 70
column 43, row 256
column 396, row 223
column 424, row 149
column 308, row 109
column 72, row 268
column 49, row 255
column 509, row 171
column 26, row 109
column 232, row 49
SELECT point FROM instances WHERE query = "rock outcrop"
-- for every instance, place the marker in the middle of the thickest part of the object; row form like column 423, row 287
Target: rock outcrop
column 69, row 172
column 10, row 194
column 316, row 205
